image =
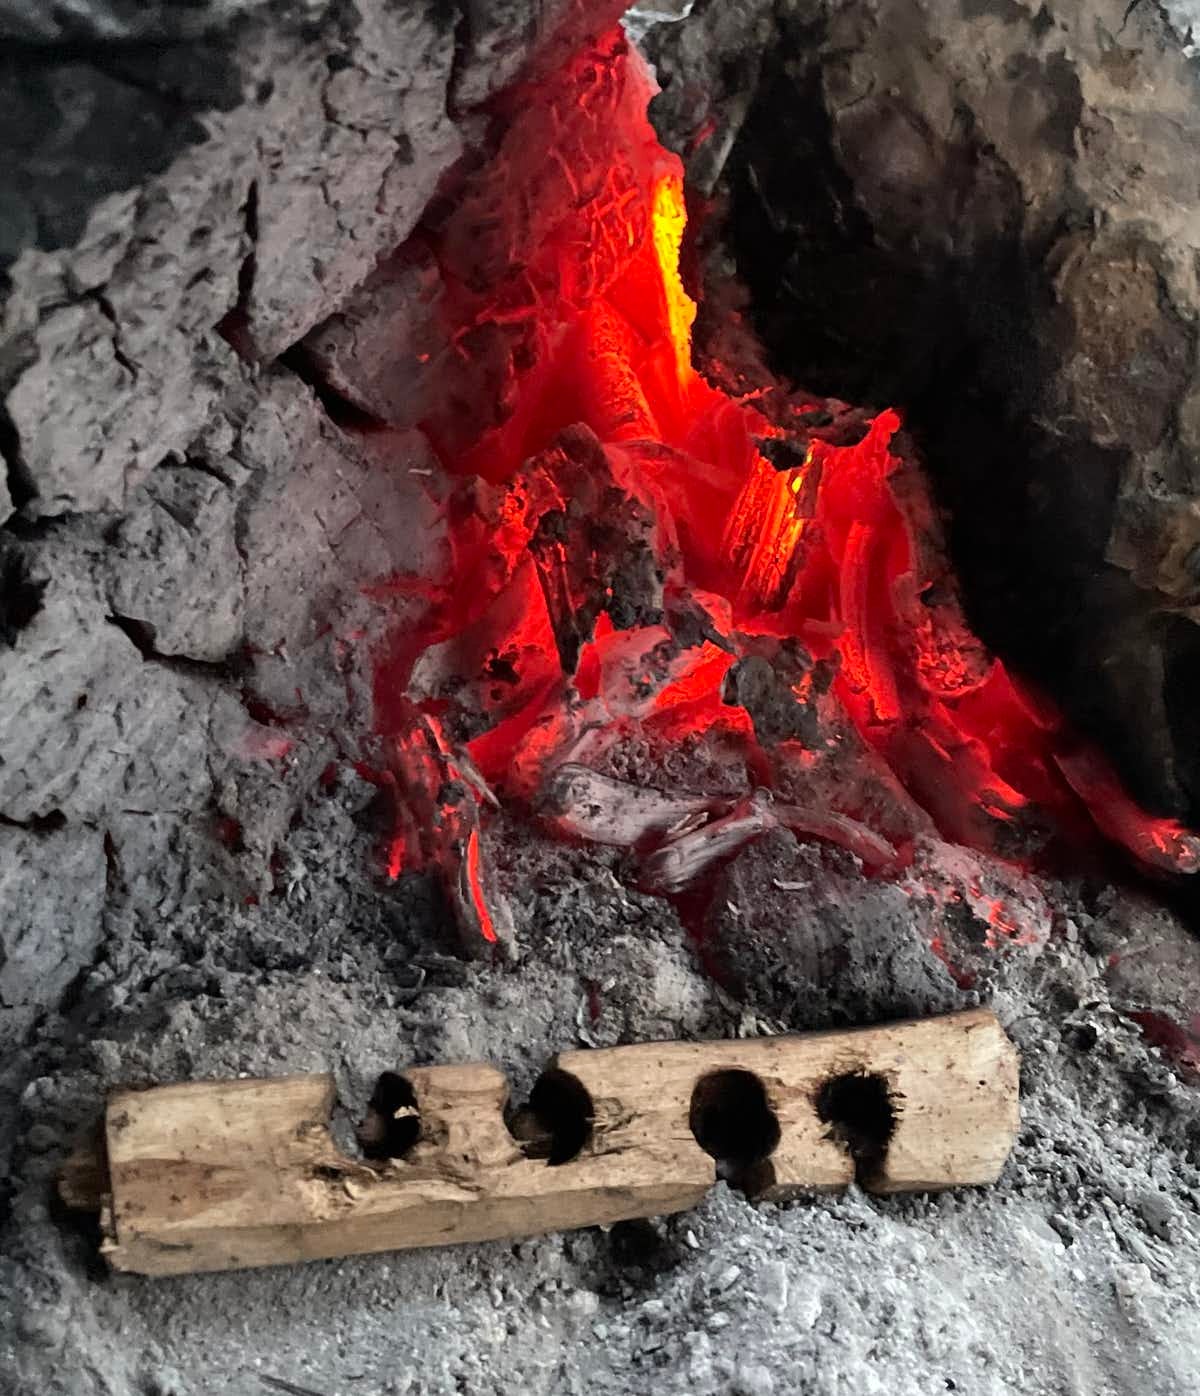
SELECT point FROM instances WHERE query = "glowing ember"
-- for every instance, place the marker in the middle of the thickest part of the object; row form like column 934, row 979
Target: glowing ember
column 668, row 220
column 630, row 565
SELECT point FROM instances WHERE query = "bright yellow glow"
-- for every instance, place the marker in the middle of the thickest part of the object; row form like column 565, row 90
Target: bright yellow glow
column 668, row 220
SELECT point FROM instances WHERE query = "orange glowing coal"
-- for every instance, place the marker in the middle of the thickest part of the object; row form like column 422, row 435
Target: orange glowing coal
column 828, row 575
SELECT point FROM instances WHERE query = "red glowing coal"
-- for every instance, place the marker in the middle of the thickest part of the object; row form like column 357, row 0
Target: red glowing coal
column 642, row 560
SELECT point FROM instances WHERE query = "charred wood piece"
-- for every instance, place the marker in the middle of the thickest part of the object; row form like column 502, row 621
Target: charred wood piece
column 582, row 803
column 437, row 794
column 593, row 544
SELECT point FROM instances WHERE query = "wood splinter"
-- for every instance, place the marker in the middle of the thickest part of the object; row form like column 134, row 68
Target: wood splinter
column 220, row 1175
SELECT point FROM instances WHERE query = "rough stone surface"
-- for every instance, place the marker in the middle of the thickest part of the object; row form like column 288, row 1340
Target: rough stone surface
column 276, row 154
column 176, row 569
column 322, row 515
column 332, row 144
column 196, row 560
column 385, row 350
column 358, row 143
column 178, row 678
column 89, row 722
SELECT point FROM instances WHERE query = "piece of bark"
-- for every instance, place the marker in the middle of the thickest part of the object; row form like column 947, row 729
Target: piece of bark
column 231, row 1174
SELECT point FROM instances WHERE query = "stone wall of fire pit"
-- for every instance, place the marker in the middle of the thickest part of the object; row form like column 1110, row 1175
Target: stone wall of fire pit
column 184, row 642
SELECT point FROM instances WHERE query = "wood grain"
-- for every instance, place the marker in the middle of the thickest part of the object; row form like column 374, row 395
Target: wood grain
column 216, row 1175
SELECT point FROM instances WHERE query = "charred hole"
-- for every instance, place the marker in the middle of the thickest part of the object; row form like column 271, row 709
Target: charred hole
column 1081, row 1036
column 393, row 1121
column 76, row 1219
column 229, row 832
column 731, row 1118
column 638, row 1254
column 556, row 1124
column 860, row 1111
column 501, row 669
column 49, row 823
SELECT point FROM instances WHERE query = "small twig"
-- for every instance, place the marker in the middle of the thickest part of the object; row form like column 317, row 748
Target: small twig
column 280, row 1384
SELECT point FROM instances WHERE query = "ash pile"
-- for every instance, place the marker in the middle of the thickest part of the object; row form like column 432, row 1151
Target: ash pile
column 410, row 657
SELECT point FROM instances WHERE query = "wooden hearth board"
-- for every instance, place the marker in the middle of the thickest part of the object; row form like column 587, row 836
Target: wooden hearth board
column 216, row 1175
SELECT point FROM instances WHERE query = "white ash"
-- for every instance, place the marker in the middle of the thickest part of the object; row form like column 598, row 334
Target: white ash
column 1076, row 1272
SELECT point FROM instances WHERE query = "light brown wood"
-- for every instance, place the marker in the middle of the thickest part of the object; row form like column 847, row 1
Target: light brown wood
column 221, row 1175
column 952, row 1082
column 216, row 1175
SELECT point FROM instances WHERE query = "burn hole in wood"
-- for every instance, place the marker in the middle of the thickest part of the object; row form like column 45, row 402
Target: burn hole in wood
column 557, row 1122
column 393, row 1123
column 731, row 1119
column 860, row 1113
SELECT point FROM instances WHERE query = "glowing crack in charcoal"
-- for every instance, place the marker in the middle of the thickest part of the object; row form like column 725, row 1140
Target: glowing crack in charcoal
column 640, row 561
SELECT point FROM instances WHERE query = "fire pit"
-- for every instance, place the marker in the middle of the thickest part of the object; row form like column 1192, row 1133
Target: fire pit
column 522, row 540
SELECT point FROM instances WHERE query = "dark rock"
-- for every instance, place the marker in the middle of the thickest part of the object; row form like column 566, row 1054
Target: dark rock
column 977, row 218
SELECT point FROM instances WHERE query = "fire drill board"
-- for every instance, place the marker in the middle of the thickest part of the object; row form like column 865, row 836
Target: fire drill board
column 218, row 1175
